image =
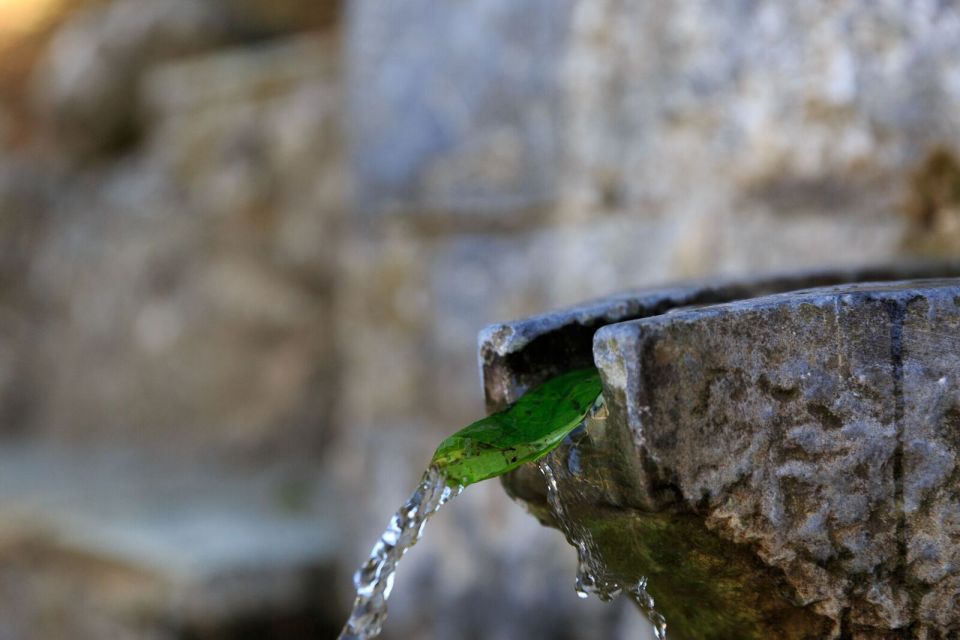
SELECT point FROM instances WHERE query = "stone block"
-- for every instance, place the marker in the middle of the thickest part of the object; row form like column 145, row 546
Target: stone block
column 622, row 106
column 517, row 355
column 802, row 436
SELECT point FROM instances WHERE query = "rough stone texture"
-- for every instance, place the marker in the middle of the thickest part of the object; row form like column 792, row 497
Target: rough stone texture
column 516, row 356
column 811, row 428
column 411, row 305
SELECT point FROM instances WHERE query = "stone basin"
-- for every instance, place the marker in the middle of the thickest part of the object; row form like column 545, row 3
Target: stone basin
column 780, row 460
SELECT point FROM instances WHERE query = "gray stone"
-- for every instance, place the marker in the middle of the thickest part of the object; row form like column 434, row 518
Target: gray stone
column 455, row 107
column 803, row 436
column 793, row 107
column 515, row 356
column 253, row 134
column 790, row 110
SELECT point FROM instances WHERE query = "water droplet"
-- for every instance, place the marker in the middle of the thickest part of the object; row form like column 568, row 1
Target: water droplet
column 592, row 575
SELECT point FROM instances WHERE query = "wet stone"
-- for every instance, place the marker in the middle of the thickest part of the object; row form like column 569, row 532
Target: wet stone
column 805, row 441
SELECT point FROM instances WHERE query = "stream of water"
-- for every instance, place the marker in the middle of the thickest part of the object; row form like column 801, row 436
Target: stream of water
column 592, row 576
column 374, row 580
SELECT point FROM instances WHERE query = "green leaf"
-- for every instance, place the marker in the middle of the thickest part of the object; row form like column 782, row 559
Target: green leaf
column 526, row 431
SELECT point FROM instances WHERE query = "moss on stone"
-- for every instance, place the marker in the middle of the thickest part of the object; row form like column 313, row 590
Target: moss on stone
column 707, row 588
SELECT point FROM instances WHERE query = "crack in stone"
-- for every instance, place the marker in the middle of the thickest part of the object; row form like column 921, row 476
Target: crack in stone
column 846, row 626
column 896, row 311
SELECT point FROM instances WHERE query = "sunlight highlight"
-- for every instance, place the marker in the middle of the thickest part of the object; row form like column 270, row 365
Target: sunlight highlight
column 20, row 17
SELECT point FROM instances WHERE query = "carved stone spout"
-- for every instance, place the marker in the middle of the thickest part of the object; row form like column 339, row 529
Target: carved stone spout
column 780, row 464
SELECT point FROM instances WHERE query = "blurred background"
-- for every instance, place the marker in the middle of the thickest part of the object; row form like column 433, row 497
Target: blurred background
column 246, row 247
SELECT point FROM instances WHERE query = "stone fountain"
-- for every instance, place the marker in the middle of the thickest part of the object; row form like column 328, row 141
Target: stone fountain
column 779, row 457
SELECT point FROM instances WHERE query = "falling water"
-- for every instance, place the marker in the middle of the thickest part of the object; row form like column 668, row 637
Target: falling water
column 374, row 580
column 592, row 576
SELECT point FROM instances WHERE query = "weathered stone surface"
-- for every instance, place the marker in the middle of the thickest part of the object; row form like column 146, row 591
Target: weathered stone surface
column 724, row 138
column 810, row 429
column 517, row 355
column 85, row 87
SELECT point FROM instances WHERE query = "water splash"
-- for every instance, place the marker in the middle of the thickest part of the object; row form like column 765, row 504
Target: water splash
column 592, row 576
column 374, row 579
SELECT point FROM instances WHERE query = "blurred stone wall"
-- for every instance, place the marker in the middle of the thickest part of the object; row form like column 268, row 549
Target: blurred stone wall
column 172, row 190
column 272, row 230
column 180, row 296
